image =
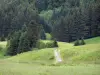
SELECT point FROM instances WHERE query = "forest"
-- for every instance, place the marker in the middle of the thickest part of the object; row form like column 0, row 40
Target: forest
column 65, row 20
column 62, row 20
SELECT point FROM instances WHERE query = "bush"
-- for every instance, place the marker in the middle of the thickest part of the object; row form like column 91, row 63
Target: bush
column 77, row 43
column 49, row 45
column 52, row 44
column 55, row 43
column 82, row 42
column 40, row 45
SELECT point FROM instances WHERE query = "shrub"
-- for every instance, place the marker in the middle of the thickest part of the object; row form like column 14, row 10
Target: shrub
column 49, row 45
column 77, row 43
column 52, row 44
column 55, row 43
column 82, row 42
column 40, row 45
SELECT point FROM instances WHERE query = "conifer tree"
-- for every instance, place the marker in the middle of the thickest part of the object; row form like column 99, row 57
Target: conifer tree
column 29, row 39
column 13, row 43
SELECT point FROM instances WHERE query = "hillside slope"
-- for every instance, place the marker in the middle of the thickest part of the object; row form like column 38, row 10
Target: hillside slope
column 80, row 60
column 89, row 53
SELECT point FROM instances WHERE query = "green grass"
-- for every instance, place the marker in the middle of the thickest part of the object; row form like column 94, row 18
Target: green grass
column 77, row 60
column 3, row 44
column 89, row 53
column 93, row 40
column 2, row 49
column 30, row 69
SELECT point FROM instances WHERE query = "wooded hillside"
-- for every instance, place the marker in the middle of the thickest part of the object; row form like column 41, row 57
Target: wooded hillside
column 65, row 20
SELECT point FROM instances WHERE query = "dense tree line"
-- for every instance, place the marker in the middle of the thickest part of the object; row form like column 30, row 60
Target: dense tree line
column 77, row 20
column 14, row 14
column 25, row 39
column 68, row 20
column 48, row 4
column 25, row 22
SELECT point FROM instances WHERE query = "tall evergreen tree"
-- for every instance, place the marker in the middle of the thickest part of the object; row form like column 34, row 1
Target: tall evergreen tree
column 13, row 43
column 29, row 38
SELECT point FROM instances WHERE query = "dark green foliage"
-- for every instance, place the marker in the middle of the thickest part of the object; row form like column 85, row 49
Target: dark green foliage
column 49, row 45
column 10, row 35
column 46, row 26
column 29, row 39
column 2, row 38
column 24, row 28
column 77, row 43
column 82, row 42
column 40, row 45
column 67, row 20
column 24, row 43
column 14, row 14
column 24, row 40
column 48, row 4
column 13, row 43
column 55, row 43
column 52, row 44
column 76, row 19
column 42, row 35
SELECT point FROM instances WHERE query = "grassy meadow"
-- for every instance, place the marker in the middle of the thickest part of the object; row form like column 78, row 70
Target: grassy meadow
column 77, row 60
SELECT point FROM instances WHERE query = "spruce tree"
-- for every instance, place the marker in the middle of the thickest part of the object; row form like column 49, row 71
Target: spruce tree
column 12, row 44
column 28, row 39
